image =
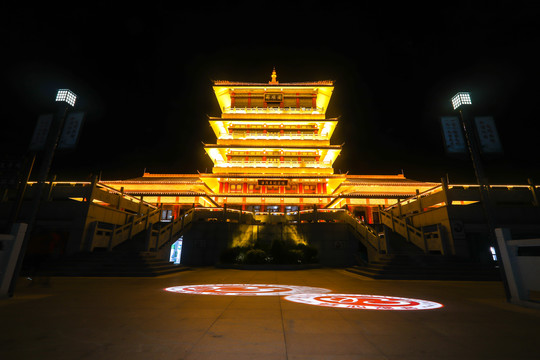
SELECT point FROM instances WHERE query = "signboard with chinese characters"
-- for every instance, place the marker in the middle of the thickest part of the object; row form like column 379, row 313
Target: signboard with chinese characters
column 273, row 97
column 70, row 133
column 10, row 172
column 487, row 135
column 273, row 182
column 41, row 131
column 453, row 135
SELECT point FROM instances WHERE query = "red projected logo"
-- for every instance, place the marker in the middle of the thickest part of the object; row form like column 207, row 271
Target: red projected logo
column 245, row 289
column 369, row 302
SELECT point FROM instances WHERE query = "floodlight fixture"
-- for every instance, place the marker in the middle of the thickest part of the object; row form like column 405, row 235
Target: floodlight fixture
column 461, row 98
column 67, row 96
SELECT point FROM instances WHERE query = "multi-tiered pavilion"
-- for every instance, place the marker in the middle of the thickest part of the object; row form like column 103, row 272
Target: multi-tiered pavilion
column 273, row 154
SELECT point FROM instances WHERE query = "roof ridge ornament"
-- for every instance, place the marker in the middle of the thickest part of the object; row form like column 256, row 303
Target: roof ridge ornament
column 274, row 77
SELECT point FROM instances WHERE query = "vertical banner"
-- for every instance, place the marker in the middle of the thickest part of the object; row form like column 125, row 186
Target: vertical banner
column 41, row 131
column 453, row 135
column 70, row 133
column 488, row 135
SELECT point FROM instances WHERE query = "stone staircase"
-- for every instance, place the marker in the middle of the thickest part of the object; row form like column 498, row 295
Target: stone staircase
column 406, row 261
column 109, row 264
column 425, row 267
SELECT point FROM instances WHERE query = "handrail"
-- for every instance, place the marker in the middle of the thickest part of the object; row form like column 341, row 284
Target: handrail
column 159, row 237
column 119, row 234
column 131, row 197
column 425, row 241
column 369, row 234
column 415, row 197
column 102, row 186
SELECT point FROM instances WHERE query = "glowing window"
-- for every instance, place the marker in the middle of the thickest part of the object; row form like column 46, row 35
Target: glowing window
column 176, row 251
column 493, row 253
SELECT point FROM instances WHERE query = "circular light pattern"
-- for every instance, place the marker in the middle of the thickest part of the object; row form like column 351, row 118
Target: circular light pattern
column 246, row 289
column 369, row 302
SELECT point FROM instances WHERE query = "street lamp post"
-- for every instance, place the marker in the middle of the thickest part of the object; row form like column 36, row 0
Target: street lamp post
column 460, row 102
column 65, row 100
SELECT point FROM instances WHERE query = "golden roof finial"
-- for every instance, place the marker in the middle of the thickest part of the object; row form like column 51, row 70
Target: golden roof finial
column 274, row 77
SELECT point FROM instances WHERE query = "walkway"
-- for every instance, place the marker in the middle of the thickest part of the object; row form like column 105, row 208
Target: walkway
column 134, row 318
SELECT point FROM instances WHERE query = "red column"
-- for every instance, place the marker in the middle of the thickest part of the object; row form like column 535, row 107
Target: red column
column 244, row 188
column 369, row 214
column 319, row 188
column 220, row 187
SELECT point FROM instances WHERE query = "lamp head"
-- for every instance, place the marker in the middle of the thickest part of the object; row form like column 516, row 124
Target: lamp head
column 66, row 96
column 461, row 98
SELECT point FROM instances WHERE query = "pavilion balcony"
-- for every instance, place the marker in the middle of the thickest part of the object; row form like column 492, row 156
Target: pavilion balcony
column 275, row 164
column 273, row 136
column 274, row 110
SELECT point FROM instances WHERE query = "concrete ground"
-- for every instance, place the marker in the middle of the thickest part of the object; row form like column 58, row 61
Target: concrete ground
column 134, row 318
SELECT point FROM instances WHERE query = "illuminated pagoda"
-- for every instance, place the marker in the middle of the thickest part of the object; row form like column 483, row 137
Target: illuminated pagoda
column 273, row 154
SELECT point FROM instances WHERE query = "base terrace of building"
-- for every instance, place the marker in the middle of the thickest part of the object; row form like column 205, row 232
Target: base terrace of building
column 360, row 194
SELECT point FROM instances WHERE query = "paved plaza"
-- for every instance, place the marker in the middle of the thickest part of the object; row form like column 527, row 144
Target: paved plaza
column 135, row 318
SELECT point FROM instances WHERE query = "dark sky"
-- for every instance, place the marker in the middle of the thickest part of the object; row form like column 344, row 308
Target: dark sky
column 143, row 76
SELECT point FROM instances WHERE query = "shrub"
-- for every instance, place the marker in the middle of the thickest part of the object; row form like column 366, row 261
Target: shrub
column 280, row 252
column 230, row 255
column 309, row 253
column 255, row 256
column 294, row 256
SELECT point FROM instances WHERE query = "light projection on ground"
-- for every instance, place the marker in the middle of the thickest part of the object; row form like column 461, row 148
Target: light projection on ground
column 367, row 302
column 246, row 289
column 310, row 295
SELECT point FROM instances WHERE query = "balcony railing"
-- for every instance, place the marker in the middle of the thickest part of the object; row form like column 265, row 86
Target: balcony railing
column 273, row 110
column 276, row 164
column 269, row 136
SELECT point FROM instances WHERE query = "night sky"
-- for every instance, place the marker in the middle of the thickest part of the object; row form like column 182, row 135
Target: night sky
column 143, row 75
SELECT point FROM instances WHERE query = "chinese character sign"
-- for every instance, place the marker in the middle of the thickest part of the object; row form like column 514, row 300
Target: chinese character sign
column 273, row 97
column 273, row 182
column 487, row 135
column 70, row 133
column 453, row 135
column 41, row 131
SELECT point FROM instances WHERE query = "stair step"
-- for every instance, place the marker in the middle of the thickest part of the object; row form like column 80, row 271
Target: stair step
column 110, row 264
column 395, row 275
column 426, row 268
